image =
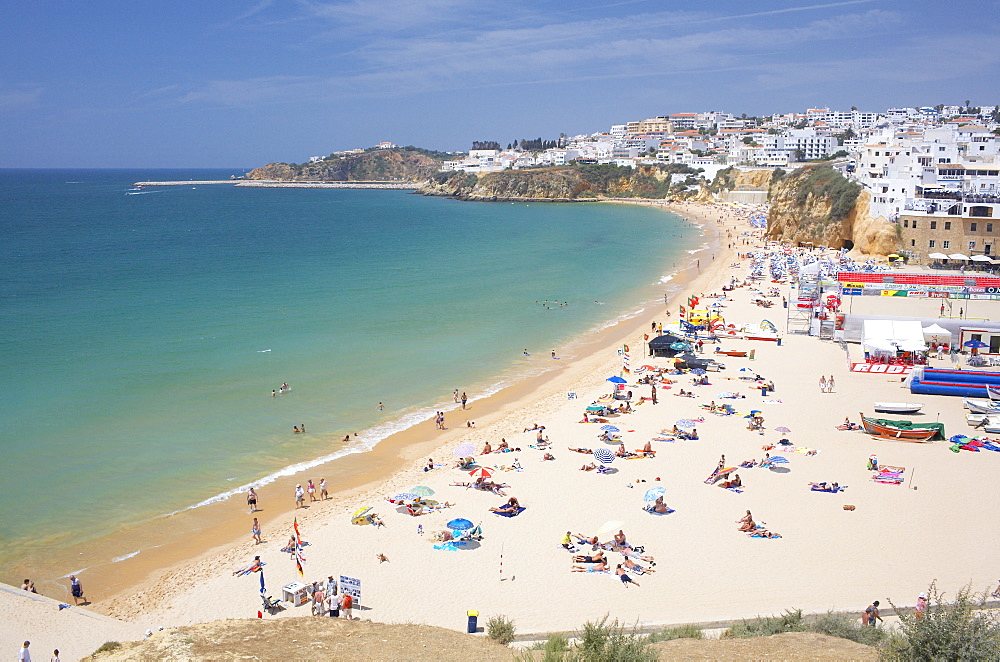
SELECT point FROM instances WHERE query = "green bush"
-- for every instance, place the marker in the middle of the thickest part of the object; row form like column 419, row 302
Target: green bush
column 679, row 632
column 763, row 626
column 611, row 642
column 500, row 629
column 958, row 630
column 847, row 626
column 108, row 646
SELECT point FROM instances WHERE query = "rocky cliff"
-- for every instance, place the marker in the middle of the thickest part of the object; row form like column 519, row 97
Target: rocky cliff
column 581, row 182
column 400, row 164
column 817, row 204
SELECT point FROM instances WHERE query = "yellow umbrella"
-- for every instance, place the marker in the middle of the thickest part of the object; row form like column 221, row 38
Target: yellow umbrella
column 360, row 512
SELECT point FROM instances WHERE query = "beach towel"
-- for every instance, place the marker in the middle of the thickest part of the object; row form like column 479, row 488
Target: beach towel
column 653, row 512
column 757, row 535
column 448, row 547
column 512, row 513
column 817, row 488
column 738, row 490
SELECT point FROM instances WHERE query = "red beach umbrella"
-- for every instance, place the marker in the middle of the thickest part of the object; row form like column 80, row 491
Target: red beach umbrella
column 481, row 472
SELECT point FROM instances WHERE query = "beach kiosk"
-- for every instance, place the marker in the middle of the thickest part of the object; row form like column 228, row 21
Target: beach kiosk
column 296, row 593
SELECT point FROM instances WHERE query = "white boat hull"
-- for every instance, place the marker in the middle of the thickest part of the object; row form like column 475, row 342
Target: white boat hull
column 981, row 406
column 898, row 407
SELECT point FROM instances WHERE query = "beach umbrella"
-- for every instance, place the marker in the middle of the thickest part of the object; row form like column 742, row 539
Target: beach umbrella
column 460, row 524
column 685, row 423
column 422, row 490
column 405, row 496
column 754, row 412
column 481, row 472
column 653, row 493
column 679, row 345
column 782, row 429
column 360, row 512
column 725, row 394
column 975, row 344
column 698, row 371
column 604, row 456
column 463, row 450
column 727, row 470
column 648, row 367
column 595, row 408
column 616, row 380
column 610, row 428
column 778, row 460
column 611, row 527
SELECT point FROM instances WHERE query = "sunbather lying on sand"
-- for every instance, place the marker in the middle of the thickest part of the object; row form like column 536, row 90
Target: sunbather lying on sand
column 825, row 487
column 581, row 450
column 588, row 467
column 632, row 565
column 748, row 464
column 254, row 566
column 599, row 566
column 509, row 507
column 583, row 558
column 548, row 456
column 763, row 533
column 584, row 540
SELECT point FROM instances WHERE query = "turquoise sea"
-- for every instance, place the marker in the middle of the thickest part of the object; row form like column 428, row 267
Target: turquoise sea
column 143, row 331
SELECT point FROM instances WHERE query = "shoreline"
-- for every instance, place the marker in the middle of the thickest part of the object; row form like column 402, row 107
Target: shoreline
column 220, row 525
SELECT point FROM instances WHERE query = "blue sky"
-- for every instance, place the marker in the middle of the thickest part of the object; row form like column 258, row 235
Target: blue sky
column 186, row 84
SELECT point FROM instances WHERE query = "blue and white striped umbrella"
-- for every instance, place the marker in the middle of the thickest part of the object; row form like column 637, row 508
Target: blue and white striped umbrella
column 778, row 460
column 685, row 423
column 604, row 456
column 610, row 428
column 405, row 496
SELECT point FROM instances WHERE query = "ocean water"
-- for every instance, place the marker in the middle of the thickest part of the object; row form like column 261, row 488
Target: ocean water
column 143, row 331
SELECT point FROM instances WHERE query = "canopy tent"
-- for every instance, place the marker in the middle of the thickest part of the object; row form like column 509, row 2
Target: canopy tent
column 937, row 333
column 937, row 256
column 890, row 336
column 981, row 258
column 958, row 256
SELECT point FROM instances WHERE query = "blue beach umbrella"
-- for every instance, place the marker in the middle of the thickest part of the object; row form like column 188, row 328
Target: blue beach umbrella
column 604, row 456
column 405, row 496
column 262, row 589
column 422, row 490
column 653, row 493
column 685, row 423
column 778, row 460
column 610, row 428
column 616, row 380
column 679, row 345
column 698, row 371
column 975, row 344
column 460, row 524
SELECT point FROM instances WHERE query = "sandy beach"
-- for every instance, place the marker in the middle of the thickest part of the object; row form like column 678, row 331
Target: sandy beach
column 897, row 540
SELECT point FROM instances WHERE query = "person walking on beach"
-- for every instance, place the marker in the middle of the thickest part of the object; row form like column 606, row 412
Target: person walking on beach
column 465, row 399
column 323, row 494
column 653, row 394
column 311, row 489
column 300, row 497
column 455, row 395
column 870, row 615
column 822, row 384
column 829, row 385
column 76, row 589
column 252, row 500
column 24, row 655
column 255, row 532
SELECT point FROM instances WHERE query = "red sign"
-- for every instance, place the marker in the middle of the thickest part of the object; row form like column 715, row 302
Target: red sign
column 882, row 368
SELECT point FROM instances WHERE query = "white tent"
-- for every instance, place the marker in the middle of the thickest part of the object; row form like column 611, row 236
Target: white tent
column 937, row 256
column 890, row 336
column 981, row 258
column 937, row 332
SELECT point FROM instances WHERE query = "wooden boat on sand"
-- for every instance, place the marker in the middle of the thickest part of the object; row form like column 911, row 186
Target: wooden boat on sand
column 886, row 430
column 898, row 407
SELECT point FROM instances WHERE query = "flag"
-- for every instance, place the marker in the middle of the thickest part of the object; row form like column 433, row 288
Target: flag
column 262, row 589
column 645, row 336
column 295, row 525
column 298, row 566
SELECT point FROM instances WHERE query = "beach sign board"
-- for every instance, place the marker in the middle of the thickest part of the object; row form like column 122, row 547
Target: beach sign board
column 882, row 368
column 351, row 587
